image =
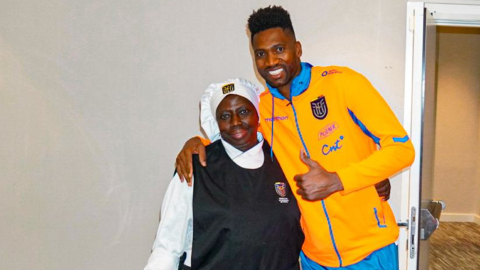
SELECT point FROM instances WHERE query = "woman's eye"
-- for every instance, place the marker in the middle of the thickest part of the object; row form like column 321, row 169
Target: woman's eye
column 224, row 116
column 244, row 111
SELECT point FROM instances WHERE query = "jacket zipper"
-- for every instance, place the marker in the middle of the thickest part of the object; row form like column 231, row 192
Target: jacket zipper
column 323, row 202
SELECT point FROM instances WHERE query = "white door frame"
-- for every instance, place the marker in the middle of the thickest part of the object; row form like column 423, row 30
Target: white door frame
column 445, row 13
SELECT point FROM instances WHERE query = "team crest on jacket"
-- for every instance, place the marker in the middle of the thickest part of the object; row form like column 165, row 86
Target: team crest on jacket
column 319, row 108
column 281, row 189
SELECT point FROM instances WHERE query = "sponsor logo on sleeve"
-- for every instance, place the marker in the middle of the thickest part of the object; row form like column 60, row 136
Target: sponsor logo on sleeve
column 333, row 71
column 327, row 130
column 319, row 108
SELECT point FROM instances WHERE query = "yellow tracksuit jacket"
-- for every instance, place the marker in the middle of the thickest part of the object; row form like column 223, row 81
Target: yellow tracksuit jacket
column 346, row 126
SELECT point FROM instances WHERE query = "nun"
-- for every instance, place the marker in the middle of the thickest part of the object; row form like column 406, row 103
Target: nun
column 240, row 212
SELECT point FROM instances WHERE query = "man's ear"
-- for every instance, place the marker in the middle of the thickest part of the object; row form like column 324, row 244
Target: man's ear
column 298, row 49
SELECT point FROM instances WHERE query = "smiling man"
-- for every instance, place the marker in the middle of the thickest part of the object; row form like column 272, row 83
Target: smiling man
column 346, row 225
column 335, row 139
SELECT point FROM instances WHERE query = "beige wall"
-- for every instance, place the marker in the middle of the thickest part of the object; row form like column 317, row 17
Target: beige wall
column 477, row 187
column 457, row 158
column 477, row 201
column 97, row 97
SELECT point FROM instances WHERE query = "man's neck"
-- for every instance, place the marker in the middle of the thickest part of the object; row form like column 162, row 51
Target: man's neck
column 289, row 90
column 285, row 91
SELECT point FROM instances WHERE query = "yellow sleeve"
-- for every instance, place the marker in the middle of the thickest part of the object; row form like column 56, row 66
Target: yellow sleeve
column 370, row 111
column 204, row 141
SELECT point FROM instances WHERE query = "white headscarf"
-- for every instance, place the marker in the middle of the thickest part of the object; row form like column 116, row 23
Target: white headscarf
column 215, row 93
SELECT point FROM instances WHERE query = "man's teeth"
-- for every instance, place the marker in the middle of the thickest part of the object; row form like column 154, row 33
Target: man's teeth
column 275, row 72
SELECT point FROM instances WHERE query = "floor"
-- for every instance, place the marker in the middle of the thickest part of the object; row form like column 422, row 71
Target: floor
column 455, row 245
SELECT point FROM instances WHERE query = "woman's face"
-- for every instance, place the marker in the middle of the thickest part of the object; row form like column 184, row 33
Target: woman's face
column 237, row 120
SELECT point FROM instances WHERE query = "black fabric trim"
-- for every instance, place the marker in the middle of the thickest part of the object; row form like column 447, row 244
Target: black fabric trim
column 181, row 265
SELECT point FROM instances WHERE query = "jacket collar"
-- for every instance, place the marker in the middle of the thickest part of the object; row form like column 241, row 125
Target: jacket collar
column 299, row 83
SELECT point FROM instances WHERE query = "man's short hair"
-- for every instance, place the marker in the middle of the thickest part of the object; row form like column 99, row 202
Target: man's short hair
column 269, row 17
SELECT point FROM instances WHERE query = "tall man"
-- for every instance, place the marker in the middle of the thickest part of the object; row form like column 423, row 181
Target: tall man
column 349, row 140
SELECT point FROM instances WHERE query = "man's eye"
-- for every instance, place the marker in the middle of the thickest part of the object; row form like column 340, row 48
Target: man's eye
column 260, row 54
column 224, row 116
column 280, row 49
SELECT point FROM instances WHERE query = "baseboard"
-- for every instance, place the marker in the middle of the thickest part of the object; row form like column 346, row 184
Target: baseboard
column 455, row 217
column 477, row 220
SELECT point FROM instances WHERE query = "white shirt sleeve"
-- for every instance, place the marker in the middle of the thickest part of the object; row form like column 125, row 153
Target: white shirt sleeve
column 175, row 231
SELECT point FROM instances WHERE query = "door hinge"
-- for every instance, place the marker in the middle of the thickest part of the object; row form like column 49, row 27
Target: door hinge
column 411, row 22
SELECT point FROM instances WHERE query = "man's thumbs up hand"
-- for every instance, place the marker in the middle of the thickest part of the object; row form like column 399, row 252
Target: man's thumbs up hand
column 317, row 183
